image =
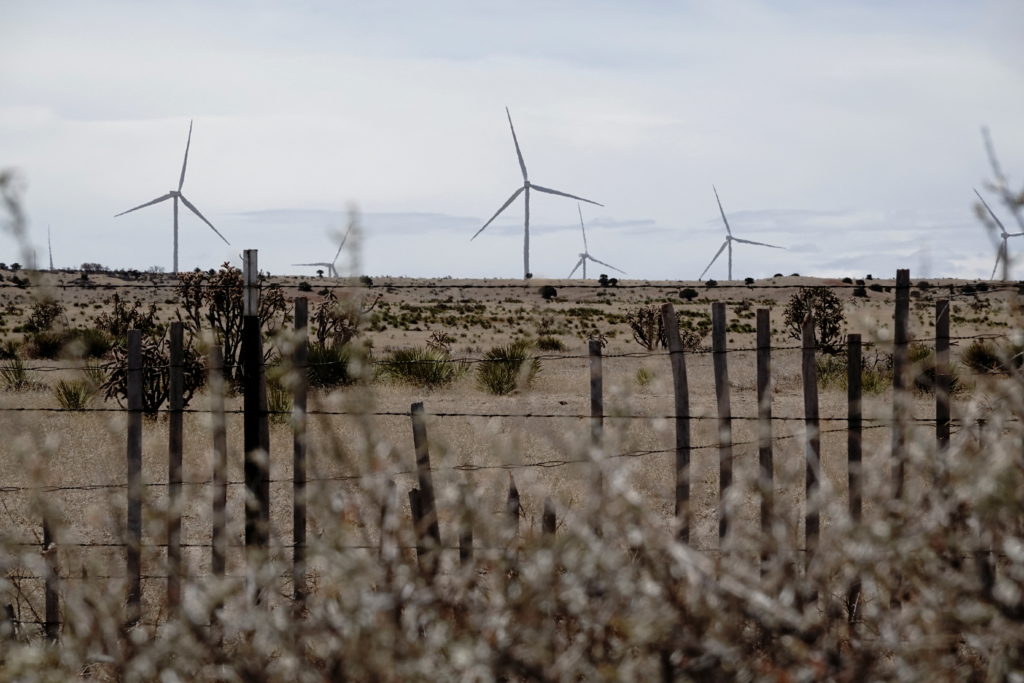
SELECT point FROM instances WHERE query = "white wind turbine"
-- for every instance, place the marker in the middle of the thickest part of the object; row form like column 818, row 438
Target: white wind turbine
column 1003, row 254
column 729, row 239
column 332, row 271
column 527, row 186
column 49, row 244
column 176, row 195
column 585, row 256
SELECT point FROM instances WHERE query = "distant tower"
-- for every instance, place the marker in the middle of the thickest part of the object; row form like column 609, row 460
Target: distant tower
column 49, row 243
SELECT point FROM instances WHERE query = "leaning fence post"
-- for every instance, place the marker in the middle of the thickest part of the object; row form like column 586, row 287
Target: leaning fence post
column 255, row 427
column 681, row 392
column 943, row 379
column 220, row 461
column 133, row 537
column 718, row 348
column 899, row 379
column 51, row 606
column 428, row 505
column 175, row 439
column 514, row 511
column 765, row 455
column 466, row 527
column 597, row 424
column 813, row 444
column 299, row 396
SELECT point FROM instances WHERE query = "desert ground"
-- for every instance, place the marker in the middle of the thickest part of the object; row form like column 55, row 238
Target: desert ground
column 351, row 454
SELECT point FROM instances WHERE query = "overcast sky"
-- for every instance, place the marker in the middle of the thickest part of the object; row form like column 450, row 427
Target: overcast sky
column 847, row 131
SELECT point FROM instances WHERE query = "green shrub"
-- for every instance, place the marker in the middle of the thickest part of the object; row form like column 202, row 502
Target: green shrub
column 88, row 342
column 329, row 365
column 985, row 357
column 507, row 368
column 828, row 316
column 689, row 294
column 9, row 349
column 74, row 394
column 45, row 345
column 548, row 292
column 644, row 377
column 305, row 287
column 550, row 343
column 875, row 373
column 423, row 367
column 279, row 399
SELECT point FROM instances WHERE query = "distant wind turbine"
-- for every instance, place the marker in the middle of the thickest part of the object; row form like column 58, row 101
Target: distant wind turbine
column 176, row 195
column 332, row 271
column 49, row 243
column 1003, row 254
column 729, row 239
column 525, row 189
column 585, row 256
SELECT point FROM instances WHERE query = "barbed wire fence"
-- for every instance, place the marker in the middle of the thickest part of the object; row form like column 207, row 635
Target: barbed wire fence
column 423, row 506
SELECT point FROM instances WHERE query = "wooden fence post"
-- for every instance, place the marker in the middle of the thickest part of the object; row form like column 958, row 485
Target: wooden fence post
column 548, row 521
column 9, row 624
column 51, row 596
column 681, row 392
column 943, row 379
column 813, row 445
column 854, row 424
column 133, row 536
column 220, row 461
column 514, row 510
column 900, row 410
column 466, row 528
column 388, row 549
column 299, row 395
column 718, row 348
column 422, row 550
column 175, row 443
column 427, row 502
column 853, row 454
column 765, row 454
column 597, row 424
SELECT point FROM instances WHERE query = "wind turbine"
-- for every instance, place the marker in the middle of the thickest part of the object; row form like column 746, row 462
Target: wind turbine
column 729, row 239
column 1003, row 254
column 176, row 195
column 525, row 190
column 331, row 270
column 585, row 256
column 49, row 244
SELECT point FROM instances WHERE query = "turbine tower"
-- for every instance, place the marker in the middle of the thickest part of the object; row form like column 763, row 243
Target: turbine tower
column 332, row 271
column 729, row 239
column 1003, row 254
column 525, row 190
column 49, row 244
column 585, row 256
column 177, row 195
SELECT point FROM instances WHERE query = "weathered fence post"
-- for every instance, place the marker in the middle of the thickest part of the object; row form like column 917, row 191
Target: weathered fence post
column 681, row 392
column 388, row 549
column 853, row 453
column 428, row 507
column 220, row 461
column 765, row 455
column 900, row 411
column 299, row 395
column 465, row 528
column 418, row 525
column 514, row 511
column 255, row 424
column 9, row 624
column 597, row 425
column 813, row 445
column 133, row 537
column 51, row 599
column 175, row 443
column 943, row 379
column 718, row 349
column 854, row 424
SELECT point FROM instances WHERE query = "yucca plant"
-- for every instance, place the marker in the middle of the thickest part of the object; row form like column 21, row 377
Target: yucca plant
column 508, row 368
column 14, row 375
column 74, row 394
column 423, row 367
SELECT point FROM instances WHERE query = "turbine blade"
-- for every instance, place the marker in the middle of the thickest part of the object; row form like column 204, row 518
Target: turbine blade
column 606, row 264
column 760, row 244
column 150, row 203
column 181, row 181
column 578, row 264
column 717, row 254
column 562, row 194
column 498, row 212
column 340, row 246
column 721, row 211
column 196, row 212
column 585, row 247
column 311, row 264
column 522, row 164
column 990, row 212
